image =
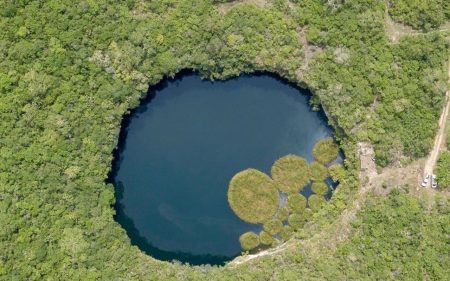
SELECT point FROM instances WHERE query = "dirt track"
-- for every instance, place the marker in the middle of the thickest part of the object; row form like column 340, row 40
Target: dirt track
column 433, row 156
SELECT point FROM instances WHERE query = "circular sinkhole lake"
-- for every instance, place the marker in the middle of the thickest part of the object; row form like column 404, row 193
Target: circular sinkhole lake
column 182, row 145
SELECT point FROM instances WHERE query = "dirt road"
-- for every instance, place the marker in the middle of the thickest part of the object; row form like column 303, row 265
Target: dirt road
column 433, row 156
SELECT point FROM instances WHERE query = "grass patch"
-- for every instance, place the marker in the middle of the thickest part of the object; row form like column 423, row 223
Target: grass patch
column 319, row 188
column 318, row 171
column 296, row 221
column 252, row 196
column 265, row 238
column 296, row 203
column 337, row 172
column 286, row 232
column 325, row 151
column 283, row 214
column 273, row 227
column 315, row 201
column 249, row 241
column 290, row 173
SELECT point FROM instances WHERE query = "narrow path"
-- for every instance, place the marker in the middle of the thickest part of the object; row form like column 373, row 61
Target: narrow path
column 434, row 154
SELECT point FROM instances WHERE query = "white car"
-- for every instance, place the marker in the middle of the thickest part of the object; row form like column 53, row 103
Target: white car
column 425, row 180
column 433, row 181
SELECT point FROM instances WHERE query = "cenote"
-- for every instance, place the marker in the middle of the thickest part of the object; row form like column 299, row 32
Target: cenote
column 179, row 149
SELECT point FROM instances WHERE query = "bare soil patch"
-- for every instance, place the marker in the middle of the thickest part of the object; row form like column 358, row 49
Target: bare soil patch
column 225, row 7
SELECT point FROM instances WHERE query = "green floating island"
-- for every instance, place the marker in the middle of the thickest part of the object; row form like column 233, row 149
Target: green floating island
column 320, row 188
column 273, row 227
column 337, row 172
column 315, row 201
column 249, row 240
column 318, row 172
column 291, row 173
column 253, row 196
column 325, row 151
column 266, row 239
column 296, row 203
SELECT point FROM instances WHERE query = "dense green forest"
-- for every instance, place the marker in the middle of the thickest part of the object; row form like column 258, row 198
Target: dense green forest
column 425, row 15
column 70, row 70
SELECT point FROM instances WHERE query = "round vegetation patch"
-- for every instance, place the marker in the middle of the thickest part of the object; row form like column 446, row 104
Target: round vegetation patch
column 265, row 238
column 273, row 227
column 315, row 201
column 319, row 188
column 290, row 173
column 325, row 151
column 296, row 221
column 296, row 203
column 318, row 171
column 337, row 172
column 283, row 214
column 252, row 196
column 286, row 232
column 308, row 213
column 249, row 240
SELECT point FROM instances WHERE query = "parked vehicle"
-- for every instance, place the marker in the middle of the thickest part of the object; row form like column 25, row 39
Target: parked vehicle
column 425, row 180
column 433, row 181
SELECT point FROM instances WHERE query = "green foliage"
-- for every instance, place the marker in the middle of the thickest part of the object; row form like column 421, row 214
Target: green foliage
column 395, row 235
column 296, row 221
column 296, row 203
column 447, row 134
column 325, row 151
column 319, row 188
column 315, row 202
column 249, row 241
column 290, row 173
column 273, row 227
column 443, row 170
column 420, row 14
column 283, row 214
column 337, row 172
column 253, row 196
column 286, row 232
column 318, row 172
column 266, row 239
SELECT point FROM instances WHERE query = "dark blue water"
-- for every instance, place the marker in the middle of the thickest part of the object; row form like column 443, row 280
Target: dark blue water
column 181, row 147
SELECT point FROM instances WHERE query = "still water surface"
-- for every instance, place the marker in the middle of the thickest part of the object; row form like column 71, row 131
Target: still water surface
column 180, row 148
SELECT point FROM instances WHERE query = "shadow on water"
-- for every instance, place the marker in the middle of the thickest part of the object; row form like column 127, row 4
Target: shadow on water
column 148, row 248
column 127, row 222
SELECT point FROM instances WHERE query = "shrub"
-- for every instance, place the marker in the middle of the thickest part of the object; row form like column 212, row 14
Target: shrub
column 319, row 188
column 315, row 201
column 273, row 227
column 253, row 196
column 325, row 151
column 318, row 172
column 443, row 170
column 265, row 238
column 296, row 203
column 291, row 173
column 249, row 241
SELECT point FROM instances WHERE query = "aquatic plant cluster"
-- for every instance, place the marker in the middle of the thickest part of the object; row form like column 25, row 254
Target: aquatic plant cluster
column 255, row 197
